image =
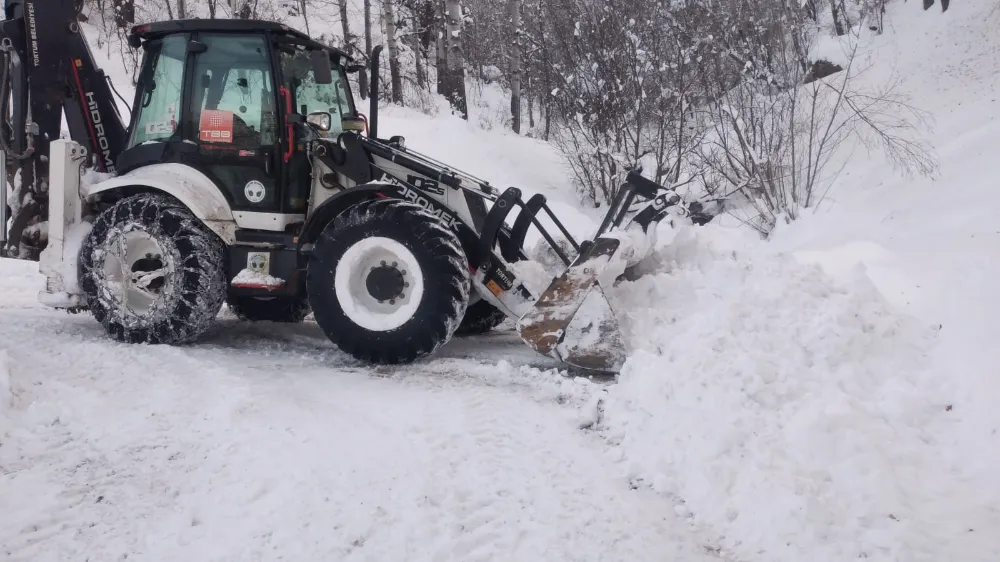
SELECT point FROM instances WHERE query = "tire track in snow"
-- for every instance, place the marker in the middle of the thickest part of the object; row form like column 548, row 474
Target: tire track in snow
column 90, row 466
column 474, row 491
column 514, row 479
column 255, row 445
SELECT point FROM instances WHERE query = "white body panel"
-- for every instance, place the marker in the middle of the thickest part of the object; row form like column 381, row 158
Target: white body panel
column 320, row 192
column 265, row 221
column 66, row 227
column 191, row 187
column 452, row 198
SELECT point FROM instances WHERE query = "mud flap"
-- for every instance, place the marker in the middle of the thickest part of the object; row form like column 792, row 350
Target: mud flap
column 572, row 320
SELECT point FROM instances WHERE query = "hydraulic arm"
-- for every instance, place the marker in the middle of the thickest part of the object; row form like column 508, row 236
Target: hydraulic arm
column 47, row 71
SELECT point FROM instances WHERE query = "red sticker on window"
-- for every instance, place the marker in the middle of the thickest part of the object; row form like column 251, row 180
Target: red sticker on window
column 216, row 126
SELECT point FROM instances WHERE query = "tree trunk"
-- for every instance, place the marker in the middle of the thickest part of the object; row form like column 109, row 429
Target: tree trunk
column 514, row 11
column 414, row 42
column 124, row 13
column 838, row 20
column 305, row 14
column 363, row 76
column 396, row 83
column 439, row 45
column 181, row 9
column 455, row 90
column 531, row 104
column 345, row 27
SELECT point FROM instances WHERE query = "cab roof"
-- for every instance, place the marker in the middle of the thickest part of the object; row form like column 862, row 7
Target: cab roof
column 158, row 29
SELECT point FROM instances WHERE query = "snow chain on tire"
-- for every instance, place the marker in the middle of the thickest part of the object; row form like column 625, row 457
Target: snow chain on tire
column 443, row 279
column 190, row 287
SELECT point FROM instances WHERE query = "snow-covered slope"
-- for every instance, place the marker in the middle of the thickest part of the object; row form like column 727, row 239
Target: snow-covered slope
column 831, row 394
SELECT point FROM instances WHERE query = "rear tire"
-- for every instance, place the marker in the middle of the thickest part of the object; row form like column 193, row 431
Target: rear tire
column 152, row 272
column 388, row 282
column 269, row 309
column 480, row 317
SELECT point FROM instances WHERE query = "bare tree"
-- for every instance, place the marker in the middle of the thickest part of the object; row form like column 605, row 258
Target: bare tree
column 395, row 81
column 455, row 78
column 514, row 11
column 348, row 41
column 774, row 141
column 363, row 77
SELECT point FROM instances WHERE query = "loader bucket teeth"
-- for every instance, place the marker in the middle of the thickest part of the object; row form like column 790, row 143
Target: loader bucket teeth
column 572, row 320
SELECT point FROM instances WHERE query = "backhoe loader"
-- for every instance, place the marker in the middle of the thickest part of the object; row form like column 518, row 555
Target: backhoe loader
column 245, row 175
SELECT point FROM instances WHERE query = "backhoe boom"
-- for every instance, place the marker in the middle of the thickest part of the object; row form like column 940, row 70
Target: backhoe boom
column 47, row 71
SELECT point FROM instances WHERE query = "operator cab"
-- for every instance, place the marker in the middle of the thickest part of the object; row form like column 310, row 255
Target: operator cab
column 239, row 101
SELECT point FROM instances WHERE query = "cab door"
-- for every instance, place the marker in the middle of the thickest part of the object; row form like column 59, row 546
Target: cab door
column 232, row 117
column 301, row 95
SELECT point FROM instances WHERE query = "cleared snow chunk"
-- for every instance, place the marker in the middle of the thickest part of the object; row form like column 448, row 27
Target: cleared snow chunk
column 250, row 278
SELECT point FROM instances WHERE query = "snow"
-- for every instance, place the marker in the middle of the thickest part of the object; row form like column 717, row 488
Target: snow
column 74, row 239
column 6, row 397
column 533, row 274
column 827, row 394
column 249, row 277
column 260, row 444
column 784, row 407
column 831, row 394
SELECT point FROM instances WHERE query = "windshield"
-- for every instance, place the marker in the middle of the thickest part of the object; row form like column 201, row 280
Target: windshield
column 159, row 91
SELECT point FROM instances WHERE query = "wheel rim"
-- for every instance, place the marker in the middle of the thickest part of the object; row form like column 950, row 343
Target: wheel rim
column 379, row 284
column 137, row 271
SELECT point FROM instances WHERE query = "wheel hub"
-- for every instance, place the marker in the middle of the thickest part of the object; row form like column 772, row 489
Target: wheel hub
column 378, row 283
column 149, row 264
column 385, row 282
column 135, row 267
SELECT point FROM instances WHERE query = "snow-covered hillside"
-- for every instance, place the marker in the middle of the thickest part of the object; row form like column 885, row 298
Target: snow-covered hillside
column 829, row 394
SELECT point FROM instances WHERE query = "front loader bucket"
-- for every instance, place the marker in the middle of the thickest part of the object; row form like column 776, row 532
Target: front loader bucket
column 572, row 320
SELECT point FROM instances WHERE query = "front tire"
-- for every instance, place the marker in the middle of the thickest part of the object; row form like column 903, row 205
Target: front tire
column 152, row 272
column 388, row 282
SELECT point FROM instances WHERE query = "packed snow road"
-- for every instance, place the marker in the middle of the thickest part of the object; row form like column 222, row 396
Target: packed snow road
column 266, row 445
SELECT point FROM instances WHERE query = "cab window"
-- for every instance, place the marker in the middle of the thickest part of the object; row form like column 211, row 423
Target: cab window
column 309, row 97
column 232, row 102
column 160, row 86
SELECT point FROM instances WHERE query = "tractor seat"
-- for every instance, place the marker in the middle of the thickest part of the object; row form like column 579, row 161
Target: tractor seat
column 245, row 135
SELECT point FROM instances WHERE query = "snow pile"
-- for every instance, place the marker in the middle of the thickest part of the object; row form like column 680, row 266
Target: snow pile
column 250, row 278
column 790, row 413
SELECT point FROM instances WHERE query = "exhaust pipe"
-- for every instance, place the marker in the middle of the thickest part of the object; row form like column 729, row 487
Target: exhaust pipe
column 373, row 94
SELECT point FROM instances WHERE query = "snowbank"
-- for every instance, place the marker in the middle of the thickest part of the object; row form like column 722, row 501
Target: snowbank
column 789, row 412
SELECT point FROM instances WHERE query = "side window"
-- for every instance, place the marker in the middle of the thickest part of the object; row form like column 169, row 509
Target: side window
column 308, row 96
column 232, row 104
column 160, row 91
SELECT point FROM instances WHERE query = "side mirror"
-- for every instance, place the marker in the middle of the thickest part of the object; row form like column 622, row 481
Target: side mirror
column 398, row 142
column 321, row 120
column 321, row 67
column 353, row 124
